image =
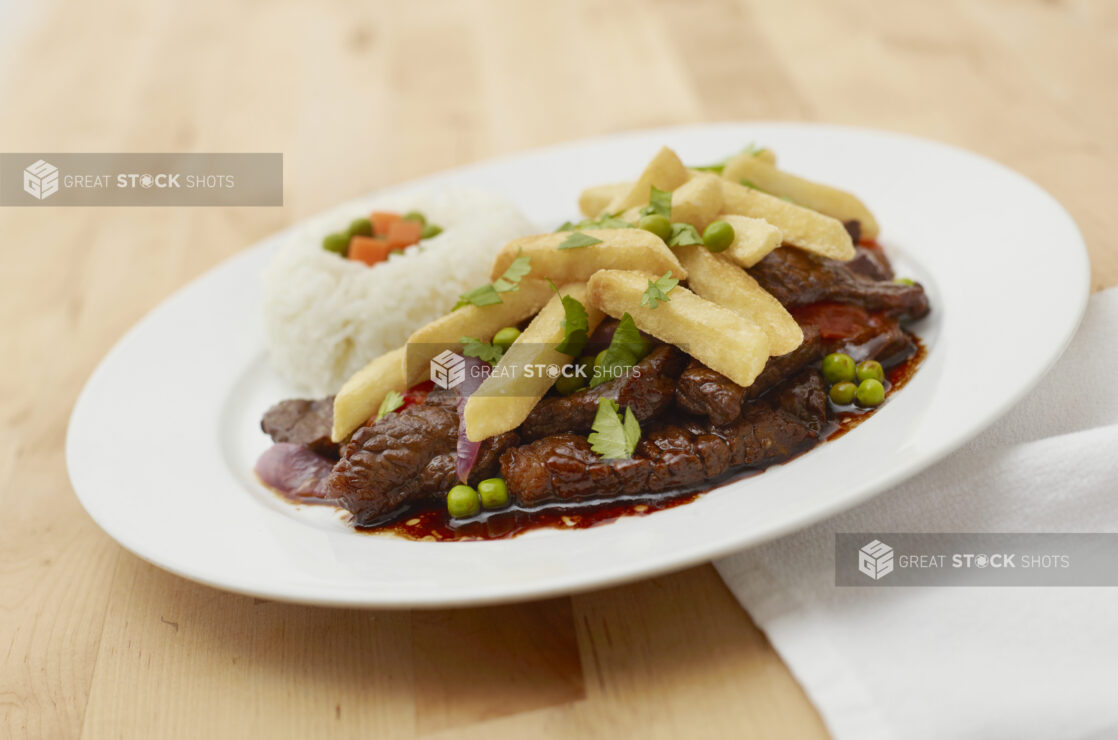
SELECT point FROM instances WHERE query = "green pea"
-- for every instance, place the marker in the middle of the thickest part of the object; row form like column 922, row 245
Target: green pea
column 838, row 367
column 337, row 243
column 360, row 227
column 905, row 281
column 568, row 384
column 430, row 231
column 842, row 393
column 718, row 236
column 870, row 392
column 494, row 493
column 415, row 216
column 505, row 337
column 870, row 369
column 659, row 225
column 462, row 502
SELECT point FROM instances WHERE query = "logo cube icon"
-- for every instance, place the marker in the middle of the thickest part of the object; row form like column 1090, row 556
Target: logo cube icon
column 40, row 179
column 448, row 369
column 876, row 559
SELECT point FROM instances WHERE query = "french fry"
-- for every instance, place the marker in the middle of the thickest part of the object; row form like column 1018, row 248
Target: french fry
column 363, row 393
column 594, row 200
column 802, row 227
column 665, row 171
column 718, row 337
column 831, row 201
column 696, row 202
column 633, row 248
column 719, row 280
column 521, row 378
column 481, row 322
column 753, row 239
column 766, row 155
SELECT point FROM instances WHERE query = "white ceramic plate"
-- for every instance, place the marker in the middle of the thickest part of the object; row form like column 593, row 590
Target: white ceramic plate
column 163, row 439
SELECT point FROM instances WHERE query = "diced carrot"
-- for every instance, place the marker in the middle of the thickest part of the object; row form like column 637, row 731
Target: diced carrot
column 382, row 221
column 368, row 250
column 404, row 233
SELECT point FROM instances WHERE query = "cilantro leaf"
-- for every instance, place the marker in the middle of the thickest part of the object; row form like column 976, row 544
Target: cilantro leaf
column 684, row 234
column 575, row 324
column 474, row 347
column 626, row 349
column 520, row 267
column 750, row 184
column 658, row 289
column 612, row 438
column 566, row 226
column 659, row 203
column 578, row 239
column 390, row 403
column 488, row 294
column 482, row 295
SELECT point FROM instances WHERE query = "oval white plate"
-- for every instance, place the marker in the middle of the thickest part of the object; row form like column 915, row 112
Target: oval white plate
column 163, row 438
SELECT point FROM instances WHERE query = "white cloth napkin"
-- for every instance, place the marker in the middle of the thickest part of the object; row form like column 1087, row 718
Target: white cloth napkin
column 966, row 662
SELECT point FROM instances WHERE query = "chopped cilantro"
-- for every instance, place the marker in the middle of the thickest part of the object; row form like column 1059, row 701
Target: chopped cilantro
column 750, row 184
column 390, row 403
column 626, row 349
column 575, row 324
column 488, row 294
column 474, row 347
column 612, row 438
column 658, row 289
column 578, row 239
column 753, row 149
column 566, row 226
column 684, row 234
column 659, row 203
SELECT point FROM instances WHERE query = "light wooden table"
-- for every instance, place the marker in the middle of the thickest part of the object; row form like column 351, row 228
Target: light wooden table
column 96, row 643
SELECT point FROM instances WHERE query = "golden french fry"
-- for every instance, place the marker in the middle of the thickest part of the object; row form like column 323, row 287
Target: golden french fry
column 715, row 278
column 594, row 200
column 718, row 337
column 766, row 155
column 363, row 393
column 831, row 201
column 753, row 239
column 665, row 171
column 802, row 227
column 481, row 322
column 696, row 202
column 621, row 248
column 503, row 401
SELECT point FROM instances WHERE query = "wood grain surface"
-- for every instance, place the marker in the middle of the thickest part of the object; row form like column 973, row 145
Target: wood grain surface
column 95, row 643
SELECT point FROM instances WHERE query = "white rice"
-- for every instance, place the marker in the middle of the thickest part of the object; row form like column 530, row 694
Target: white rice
column 327, row 317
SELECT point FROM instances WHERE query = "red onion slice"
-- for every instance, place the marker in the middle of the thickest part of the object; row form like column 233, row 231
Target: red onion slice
column 476, row 372
column 295, row 471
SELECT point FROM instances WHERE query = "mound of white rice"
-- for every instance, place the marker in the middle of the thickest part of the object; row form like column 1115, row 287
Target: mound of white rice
column 327, row 317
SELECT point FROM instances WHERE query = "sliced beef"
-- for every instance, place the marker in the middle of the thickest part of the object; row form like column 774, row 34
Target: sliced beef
column 405, row 457
column 870, row 262
column 648, row 390
column 797, row 278
column 862, row 334
column 705, row 392
column 680, row 454
column 303, row 422
column 854, row 228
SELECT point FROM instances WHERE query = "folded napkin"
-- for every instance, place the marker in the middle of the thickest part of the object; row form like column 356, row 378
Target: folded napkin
column 966, row 662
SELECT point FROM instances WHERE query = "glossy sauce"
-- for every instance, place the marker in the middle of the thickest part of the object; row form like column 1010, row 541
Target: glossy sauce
column 429, row 521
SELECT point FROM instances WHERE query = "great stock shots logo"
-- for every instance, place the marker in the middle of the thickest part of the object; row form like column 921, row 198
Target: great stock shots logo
column 876, row 559
column 448, row 369
column 40, row 179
